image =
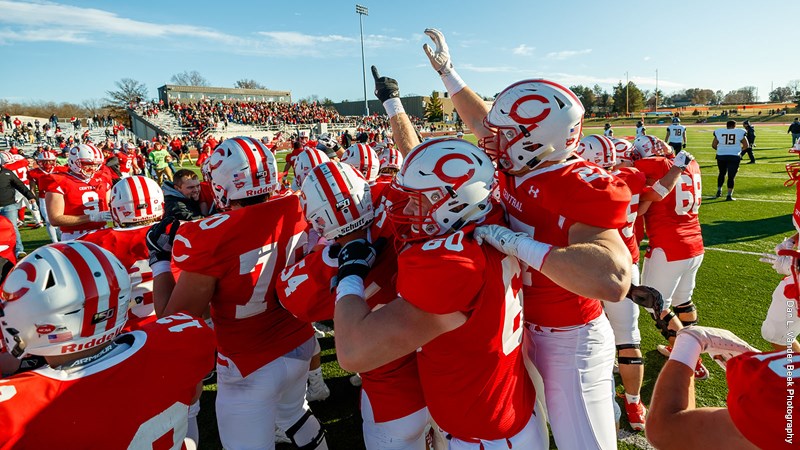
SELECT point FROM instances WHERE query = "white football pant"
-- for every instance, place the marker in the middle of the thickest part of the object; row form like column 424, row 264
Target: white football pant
column 530, row 438
column 405, row 433
column 674, row 279
column 51, row 230
column 624, row 316
column 782, row 323
column 576, row 365
column 249, row 408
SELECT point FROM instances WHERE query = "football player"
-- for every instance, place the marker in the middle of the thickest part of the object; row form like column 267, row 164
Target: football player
column 608, row 131
column 729, row 142
column 46, row 162
column 566, row 214
column 304, row 162
column 19, row 165
column 675, row 250
column 364, row 159
column 624, row 315
column 263, row 351
column 67, row 302
column 756, row 403
column 467, row 324
column 78, row 200
column 676, row 135
column 640, row 128
column 391, row 162
column 392, row 407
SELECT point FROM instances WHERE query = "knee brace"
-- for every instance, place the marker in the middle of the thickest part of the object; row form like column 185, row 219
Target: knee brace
column 686, row 308
column 637, row 360
column 663, row 325
column 307, row 434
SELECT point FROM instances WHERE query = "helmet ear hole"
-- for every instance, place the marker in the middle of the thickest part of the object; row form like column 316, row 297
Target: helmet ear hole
column 51, row 281
column 561, row 104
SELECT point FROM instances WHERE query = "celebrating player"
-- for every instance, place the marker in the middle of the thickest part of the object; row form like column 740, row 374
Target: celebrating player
column 78, row 201
column 566, row 214
column 40, row 178
column 263, row 352
column 67, row 302
column 466, row 324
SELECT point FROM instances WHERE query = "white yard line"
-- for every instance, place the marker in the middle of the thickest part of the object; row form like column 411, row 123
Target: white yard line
column 741, row 252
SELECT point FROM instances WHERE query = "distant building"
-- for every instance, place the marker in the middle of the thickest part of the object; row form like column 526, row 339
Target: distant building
column 170, row 93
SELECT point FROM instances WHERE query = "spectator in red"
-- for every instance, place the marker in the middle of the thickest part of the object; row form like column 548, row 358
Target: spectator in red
column 17, row 122
column 205, row 152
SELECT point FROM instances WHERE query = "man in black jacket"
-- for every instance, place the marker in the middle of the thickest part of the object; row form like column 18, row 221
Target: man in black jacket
column 751, row 140
column 794, row 128
column 182, row 195
column 9, row 185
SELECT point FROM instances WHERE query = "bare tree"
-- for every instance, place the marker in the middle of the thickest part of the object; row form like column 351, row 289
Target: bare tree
column 246, row 83
column 93, row 106
column 189, row 78
column 128, row 91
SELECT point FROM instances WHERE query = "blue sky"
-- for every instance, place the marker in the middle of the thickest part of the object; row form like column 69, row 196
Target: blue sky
column 75, row 50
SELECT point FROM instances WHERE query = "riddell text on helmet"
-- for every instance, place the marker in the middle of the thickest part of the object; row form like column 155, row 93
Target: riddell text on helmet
column 259, row 191
column 72, row 348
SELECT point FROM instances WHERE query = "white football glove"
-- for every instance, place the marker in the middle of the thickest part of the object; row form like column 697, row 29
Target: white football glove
column 721, row 345
column 787, row 244
column 440, row 58
column 32, row 206
column 499, row 237
column 682, row 159
column 519, row 245
column 100, row 216
column 781, row 264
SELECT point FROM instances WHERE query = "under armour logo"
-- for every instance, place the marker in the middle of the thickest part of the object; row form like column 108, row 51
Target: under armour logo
column 533, row 192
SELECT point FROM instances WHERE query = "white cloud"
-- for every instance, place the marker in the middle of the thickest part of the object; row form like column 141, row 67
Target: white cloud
column 564, row 54
column 295, row 39
column 523, row 50
column 647, row 58
column 488, row 69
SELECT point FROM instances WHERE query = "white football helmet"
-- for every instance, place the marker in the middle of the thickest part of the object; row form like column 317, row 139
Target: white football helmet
column 46, row 160
column 647, row 146
column 336, row 200
column 304, row 162
column 364, row 159
column 6, row 158
column 624, row 150
column 598, row 149
column 64, row 298
column 327, row 144
column 391, row 159
column 85, row 160
column 454, row 176
column 533, row 121
column 242, row 167
column 135, row 200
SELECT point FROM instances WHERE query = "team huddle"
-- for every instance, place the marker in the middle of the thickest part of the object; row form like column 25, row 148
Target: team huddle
column 480, row 292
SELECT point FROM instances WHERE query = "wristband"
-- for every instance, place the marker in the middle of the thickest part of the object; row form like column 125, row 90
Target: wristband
column 453, row 83
column 686, row 351
column 393, row 107
column 350, row 285
column 533, row 252
column 160, row 267
column 659, row 189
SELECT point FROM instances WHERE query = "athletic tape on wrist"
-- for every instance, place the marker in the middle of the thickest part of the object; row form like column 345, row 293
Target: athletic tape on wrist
column 350, row 285
column 686, row 351
column 533, row 252
column 393, row 107
column 159, row 267
column 453, row 82
column 659, row 189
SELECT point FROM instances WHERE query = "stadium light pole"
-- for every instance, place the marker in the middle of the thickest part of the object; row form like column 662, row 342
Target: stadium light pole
column 627, row 85
column 363, row 11
column 656, row 92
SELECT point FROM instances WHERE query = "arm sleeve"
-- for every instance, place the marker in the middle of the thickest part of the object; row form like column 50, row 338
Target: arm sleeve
column 22, row 189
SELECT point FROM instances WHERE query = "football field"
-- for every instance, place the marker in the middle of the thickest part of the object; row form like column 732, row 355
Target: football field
column 733, row 288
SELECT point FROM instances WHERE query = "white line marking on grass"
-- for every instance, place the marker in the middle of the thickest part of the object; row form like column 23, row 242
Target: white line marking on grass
column 741, row 252
column 763, row 200
column 634, row 439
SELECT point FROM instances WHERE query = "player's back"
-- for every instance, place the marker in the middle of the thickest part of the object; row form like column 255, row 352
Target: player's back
column 473, row 377
column 136, row 396
column 245, row 250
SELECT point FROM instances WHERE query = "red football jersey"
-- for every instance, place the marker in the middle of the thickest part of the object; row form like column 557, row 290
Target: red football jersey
column 125, row 162
column 129, row 246
column 672, row 224
column 304, row 289
column 81, row 197
column 474, row 378
column 637, row 183
column 138, row 398
column 43, row 179
column 20, row 168
column 545, row 204
column 252, row 329
column 8, row 240
column 796, row 213
column 759, row 387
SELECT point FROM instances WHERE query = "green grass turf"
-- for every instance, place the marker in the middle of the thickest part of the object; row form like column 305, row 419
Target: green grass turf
column 733, row 290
